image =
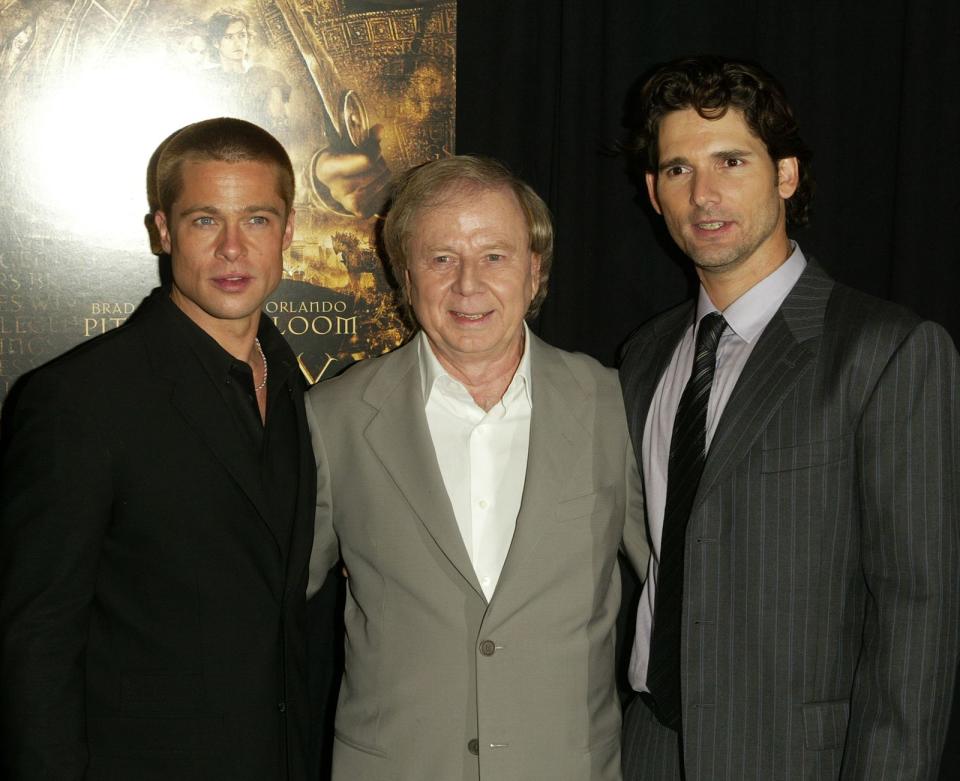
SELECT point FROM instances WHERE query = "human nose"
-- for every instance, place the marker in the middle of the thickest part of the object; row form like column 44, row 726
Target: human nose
column 231, row 246
column 703, row 190
column 468, row 277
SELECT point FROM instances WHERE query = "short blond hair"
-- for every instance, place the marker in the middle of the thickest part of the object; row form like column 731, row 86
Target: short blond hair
column 226, row 140
column 428, row 184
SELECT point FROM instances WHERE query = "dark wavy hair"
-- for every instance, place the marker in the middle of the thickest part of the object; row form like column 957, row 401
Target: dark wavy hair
column 221, row 19
column 711, row 85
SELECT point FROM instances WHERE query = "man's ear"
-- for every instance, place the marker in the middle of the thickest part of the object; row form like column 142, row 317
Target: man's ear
column 652, row 190
column 788, row 176
column 160, row 220
column 535, row 273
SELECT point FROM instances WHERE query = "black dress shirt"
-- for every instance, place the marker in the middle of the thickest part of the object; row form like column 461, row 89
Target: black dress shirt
column 273, row 442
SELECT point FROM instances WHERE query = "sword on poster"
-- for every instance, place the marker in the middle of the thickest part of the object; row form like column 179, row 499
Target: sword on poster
column 344, row 115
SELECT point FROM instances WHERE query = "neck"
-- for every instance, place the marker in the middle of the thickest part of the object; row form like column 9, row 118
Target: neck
column 486, row 379
column 240, row 346
column 234, row 336
column 725, row 285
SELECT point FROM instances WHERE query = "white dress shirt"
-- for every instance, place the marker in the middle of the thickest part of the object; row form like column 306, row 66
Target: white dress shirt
column 746, row 318
column 482, row 457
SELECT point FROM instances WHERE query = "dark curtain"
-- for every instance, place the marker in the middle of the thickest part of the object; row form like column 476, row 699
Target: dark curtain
column 541, row 84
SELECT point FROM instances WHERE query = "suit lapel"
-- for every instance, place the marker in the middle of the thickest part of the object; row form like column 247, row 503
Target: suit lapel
column 204, row 410
column 643, row 367
column 400, row 437
column 779, row 359
column 301, row 536
column 557, row 441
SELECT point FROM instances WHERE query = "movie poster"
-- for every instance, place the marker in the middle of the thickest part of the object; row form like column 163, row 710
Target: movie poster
column 89, row 89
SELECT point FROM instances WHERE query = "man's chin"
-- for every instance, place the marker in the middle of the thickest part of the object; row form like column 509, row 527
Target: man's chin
column 715, row 258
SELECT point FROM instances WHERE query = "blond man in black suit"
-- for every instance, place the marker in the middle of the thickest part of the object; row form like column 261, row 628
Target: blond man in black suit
column 156, row 515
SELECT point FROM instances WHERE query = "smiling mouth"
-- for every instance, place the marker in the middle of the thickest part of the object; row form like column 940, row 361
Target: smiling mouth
column 711, row 226
column 469, row 316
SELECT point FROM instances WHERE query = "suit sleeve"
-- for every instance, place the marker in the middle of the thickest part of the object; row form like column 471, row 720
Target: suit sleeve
column 55, row 507
column 325, row 551
column 907, row 444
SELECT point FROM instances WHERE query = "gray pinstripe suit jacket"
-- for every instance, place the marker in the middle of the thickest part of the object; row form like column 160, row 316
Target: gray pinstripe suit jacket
column 821, row 611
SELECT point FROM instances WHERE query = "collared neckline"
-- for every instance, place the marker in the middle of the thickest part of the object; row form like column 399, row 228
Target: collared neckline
column 749, row 314
column 219, row 363
column 432, row 373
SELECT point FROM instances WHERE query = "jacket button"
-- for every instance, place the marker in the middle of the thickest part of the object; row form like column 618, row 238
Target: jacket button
column 488, row 647
column 474, row 747
column 282, row 707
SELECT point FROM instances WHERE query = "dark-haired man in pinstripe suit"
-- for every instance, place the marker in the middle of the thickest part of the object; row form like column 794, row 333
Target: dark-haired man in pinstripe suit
column 799, row 618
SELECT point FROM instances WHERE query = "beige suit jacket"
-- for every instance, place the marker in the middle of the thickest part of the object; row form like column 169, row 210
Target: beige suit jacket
column 439, row 684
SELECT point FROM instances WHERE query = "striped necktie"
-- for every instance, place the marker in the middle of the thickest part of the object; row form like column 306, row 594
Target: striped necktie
column 687, row 455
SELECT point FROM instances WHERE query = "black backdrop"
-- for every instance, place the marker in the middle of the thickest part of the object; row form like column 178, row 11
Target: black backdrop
column 541, row 84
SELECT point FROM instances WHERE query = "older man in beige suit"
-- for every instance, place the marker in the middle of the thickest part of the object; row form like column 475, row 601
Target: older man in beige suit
column 479, row 483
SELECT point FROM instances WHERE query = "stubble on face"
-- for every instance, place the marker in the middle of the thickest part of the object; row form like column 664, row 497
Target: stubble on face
column 721, row 195
column 226, row 235
column 767, row 215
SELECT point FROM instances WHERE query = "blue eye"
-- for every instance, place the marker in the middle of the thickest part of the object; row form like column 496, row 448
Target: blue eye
column 494, row 256
column 205, row 221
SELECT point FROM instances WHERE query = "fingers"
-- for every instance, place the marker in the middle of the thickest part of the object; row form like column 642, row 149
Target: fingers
column 331, row 166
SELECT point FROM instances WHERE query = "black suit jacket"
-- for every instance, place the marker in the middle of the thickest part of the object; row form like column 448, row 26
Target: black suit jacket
column 821, row 615
column 152, row 610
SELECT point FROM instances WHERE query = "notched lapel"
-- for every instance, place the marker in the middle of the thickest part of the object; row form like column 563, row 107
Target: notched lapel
column 203, row 408
column 643, row 369
column 400, row 437
column 557, row 442
column 302, row 534
column 766, row 380
column 205, row 413
column 773, row 369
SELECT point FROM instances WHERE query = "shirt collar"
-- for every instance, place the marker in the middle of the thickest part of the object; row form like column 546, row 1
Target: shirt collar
column 749, row 314
column 432, row 371
column 217, row 361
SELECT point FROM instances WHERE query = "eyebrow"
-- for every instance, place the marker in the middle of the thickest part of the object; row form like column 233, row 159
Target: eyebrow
column 672, row 162
column 487, row 246
column 253, row 209
column 726, row 154
column 720, row 154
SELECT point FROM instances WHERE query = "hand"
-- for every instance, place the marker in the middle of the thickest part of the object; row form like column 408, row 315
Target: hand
column 356, row 180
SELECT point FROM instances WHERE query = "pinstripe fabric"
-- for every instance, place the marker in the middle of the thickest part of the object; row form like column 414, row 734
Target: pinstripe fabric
column 649, row 751
column 820, row 612
column 687, row 452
